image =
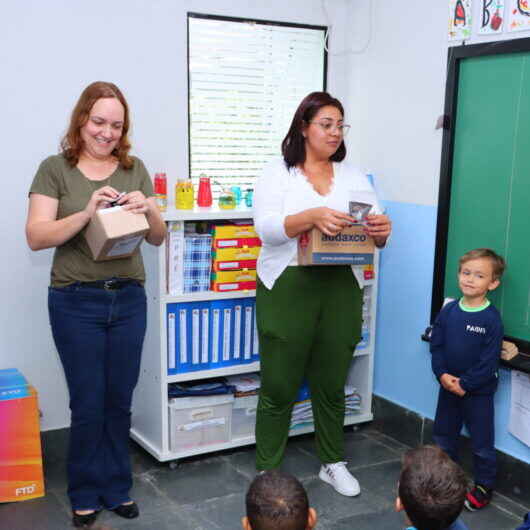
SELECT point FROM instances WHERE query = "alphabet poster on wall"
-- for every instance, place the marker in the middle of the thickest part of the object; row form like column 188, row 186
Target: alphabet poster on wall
column 519, row 15
column 459, row 19
column 491, row 16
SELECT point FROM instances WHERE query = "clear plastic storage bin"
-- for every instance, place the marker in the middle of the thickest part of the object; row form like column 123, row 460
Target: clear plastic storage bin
column 199, row 420
column 244, row 416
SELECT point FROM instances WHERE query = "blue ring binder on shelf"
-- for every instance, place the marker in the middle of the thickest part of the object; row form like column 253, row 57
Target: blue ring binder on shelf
column 211, row 334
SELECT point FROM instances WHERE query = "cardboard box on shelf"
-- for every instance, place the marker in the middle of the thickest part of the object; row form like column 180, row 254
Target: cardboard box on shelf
column 244, row 416
column 199, row 420
column 115, row 233
column 237, row 242
column 221, row 287
column 233, row 230
column 20, row 447
column 244, row 275
column 233, row 254
column 234, row 265
column 350, row 247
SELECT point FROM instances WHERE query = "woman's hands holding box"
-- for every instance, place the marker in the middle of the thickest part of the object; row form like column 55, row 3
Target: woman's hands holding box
column 135, row 202
column 379, row 227
column 329, row 221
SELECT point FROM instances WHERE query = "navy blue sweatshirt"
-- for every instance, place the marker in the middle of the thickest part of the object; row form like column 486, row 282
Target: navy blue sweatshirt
column 467, row 344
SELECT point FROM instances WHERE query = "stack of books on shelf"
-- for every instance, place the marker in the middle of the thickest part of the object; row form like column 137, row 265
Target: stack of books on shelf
column 244, row 384
column 235, row 249
column 220, row 257
column 353, row 400
column 365, row 328
column 303, row 413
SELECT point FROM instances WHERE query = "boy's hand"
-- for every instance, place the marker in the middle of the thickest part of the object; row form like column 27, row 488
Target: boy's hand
column 452, row 384
column 448, row 381
column 458, row 390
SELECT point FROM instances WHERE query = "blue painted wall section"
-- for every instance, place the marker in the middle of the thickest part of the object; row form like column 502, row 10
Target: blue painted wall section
column 402, row 369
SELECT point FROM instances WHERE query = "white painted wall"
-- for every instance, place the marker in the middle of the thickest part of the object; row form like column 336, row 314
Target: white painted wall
column 49, row 51
column 397, row 92
column 393, row 92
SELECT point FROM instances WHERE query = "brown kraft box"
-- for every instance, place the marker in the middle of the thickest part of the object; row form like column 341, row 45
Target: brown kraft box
column 115, row 233
column 350, row 247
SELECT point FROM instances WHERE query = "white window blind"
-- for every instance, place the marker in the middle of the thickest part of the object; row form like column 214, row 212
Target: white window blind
column 246, row 80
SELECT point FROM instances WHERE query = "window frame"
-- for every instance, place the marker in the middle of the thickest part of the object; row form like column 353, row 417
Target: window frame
column 243, row 20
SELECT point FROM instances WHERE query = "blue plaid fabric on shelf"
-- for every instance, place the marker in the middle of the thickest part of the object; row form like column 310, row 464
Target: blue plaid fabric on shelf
column 197, row 262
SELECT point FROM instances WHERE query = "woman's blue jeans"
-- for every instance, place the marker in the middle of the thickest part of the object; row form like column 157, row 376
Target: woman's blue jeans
column 99, row 336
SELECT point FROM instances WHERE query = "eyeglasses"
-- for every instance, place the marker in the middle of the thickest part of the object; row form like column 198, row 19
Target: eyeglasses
column 330, row 126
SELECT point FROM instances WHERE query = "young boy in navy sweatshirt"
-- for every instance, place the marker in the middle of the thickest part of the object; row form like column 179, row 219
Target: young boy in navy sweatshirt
column 465, row 345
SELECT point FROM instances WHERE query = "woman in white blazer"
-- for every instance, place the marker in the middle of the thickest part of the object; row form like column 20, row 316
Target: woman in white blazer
column 309, row 317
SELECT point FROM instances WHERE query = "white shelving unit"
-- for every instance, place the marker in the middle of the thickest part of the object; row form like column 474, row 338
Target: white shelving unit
column 150, row 419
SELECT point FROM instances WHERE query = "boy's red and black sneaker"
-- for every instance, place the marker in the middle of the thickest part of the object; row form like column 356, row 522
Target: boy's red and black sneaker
column 478, row 497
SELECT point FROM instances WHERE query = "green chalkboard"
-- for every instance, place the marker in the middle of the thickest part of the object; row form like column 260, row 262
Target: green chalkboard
column 490, row 177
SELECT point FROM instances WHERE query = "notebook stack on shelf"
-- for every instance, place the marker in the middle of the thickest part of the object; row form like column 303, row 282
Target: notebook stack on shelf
column 235, row 250
column 197, row 262
column 302, row 414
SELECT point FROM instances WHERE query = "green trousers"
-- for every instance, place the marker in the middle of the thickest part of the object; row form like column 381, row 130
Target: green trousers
column 309, row 324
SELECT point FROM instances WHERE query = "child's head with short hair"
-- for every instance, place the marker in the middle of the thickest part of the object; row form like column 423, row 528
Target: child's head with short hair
column 479, row 271
column 432, row 488
column 497, row 262
column 277, row 501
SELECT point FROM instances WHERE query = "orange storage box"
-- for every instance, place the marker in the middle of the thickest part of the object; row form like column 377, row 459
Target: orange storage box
column 21, row 476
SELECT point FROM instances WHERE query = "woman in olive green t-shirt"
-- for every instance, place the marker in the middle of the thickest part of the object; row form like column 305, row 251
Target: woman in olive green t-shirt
column 97, row 309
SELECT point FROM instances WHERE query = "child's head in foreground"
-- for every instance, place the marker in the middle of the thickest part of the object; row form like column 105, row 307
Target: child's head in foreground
column 277, row 501
column 479, row 271
column 432, row 488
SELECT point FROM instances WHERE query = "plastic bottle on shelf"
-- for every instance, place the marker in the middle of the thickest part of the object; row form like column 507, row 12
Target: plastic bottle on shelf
column 178, row 194
column 184, row 194
column 236, row 190
column 204, row 195
column 249, row 198
column 161, row 191
column 189, row 195
column 227, row 200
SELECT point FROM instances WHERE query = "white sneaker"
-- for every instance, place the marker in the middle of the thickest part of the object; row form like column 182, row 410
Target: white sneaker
column 338, row 476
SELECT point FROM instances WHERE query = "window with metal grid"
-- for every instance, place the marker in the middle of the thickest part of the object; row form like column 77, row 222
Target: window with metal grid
column 246, row 79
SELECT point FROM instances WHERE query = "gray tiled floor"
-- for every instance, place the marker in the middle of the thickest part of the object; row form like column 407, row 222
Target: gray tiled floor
column 208, row 492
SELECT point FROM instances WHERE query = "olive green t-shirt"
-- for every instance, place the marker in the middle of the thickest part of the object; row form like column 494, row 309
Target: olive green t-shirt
column 72, row 261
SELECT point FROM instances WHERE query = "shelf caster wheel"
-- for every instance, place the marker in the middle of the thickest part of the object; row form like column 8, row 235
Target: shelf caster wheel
column 173, row 464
